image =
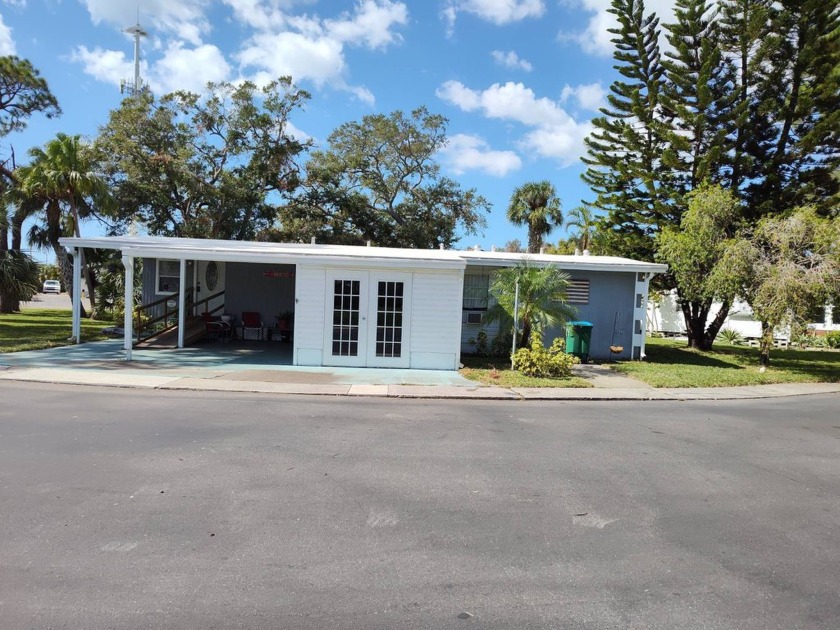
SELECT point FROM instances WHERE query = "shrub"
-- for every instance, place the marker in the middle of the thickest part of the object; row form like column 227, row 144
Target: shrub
column 833, row 339
column 540, row 361
column 479, row 343
column 818, row 342
column 501, row 344
column 483, row 347
column 731, row 336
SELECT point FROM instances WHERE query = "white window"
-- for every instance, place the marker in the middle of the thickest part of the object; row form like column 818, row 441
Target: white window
column 168, row 276
column 476, row 292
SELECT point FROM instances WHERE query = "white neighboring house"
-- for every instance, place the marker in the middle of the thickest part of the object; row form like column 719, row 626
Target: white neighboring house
column 665, row 316
column 367, row 306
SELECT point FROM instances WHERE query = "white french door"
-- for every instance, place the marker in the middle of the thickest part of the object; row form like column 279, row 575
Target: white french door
column 367, row 319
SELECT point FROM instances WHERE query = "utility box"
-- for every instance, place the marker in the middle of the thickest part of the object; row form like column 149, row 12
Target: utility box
column 578, row 338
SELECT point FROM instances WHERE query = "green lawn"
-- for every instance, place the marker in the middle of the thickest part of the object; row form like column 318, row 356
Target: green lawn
column 496, row 371
column 671, row 364
column 43, row 328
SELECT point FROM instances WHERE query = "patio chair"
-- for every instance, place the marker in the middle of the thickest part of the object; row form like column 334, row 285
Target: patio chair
column 215, row 327
column 252, row 326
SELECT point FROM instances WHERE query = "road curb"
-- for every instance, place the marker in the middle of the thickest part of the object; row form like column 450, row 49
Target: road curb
column 418, row 392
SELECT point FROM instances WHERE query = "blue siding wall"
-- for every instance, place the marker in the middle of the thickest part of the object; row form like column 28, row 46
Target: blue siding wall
column 247, row 288
column 610, row 311
column 148, row 279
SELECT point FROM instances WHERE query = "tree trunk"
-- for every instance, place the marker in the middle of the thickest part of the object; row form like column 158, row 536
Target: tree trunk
column 714, row 328
column 535, row 242
column 13, row 228
column 8, row 304
column 695, row 314
column 764, row 346
column 88, row 277
column 526, row 334
column 61, row 259
column 85, row 269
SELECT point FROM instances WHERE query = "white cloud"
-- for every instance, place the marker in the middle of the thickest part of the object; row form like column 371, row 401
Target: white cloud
column 495, row 11
column 595, row 39
column 184, row 19
column 7, row 43
column 555, row 133
column 188, row 68
column 314, row 49
column 279, row 41
column 511, row 60
column 459, row 94
column 589, row 96
column 179, row 69
column 562, row 142
column 15, row 3
column 470, row 153
column 297, row 133
column 371, row 25
column 317, row 59
column 256, row 14
column 108, row 66
column 511, row 101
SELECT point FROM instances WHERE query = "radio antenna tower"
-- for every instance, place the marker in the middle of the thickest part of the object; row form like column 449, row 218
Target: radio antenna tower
column 127, row 87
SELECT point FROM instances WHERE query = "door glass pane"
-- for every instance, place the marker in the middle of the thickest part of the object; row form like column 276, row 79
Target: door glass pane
column 389, row 306
column 346, row 318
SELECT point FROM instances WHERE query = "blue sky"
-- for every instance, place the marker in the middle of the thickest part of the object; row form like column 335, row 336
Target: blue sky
column 519, row 80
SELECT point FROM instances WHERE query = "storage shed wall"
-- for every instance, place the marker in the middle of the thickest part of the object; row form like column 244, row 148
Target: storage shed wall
column 435, row 324
column 310, row 305
column 436, row 319
column 612, row 298
column 610, row 293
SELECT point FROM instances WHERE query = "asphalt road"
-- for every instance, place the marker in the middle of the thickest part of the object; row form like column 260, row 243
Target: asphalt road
column 130, row 509
column 53, row 301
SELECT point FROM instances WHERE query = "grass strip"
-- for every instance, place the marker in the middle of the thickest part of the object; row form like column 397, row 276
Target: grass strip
column 670, row 363
column 44, row 328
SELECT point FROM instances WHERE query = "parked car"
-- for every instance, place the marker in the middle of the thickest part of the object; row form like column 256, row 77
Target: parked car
column 51, row 286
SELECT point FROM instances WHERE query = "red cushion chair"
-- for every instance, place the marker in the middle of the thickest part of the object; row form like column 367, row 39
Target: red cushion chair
column 252, row 326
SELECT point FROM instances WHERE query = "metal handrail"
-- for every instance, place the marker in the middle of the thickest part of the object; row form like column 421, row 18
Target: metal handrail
column 206, row 302
column 144, row 328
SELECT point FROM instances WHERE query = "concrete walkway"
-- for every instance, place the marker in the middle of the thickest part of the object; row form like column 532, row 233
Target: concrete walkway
column 257, row 368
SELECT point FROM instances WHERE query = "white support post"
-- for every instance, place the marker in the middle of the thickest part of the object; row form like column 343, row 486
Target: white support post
column 128, row 317
column 640, row 315
column 182, row 281
column 195, row 287
column 77, row 295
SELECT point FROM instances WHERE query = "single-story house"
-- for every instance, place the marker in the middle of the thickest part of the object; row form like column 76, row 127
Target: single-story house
column 665, row 316
column 369, row 306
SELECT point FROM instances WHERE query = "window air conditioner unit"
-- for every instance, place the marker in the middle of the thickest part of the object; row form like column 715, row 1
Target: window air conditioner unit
column 474, row 318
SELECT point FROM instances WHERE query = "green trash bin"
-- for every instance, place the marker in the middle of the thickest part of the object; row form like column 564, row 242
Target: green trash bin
column 578, row 338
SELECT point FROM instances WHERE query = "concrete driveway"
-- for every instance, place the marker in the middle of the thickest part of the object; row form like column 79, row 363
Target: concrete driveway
column 138, row 509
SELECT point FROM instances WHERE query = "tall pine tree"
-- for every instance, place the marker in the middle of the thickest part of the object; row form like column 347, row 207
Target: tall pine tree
column 624, row 152
column 701, row 105
column 800, row 114
column 748, row 96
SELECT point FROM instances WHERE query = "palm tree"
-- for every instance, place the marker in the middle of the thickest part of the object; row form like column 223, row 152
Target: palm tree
column 61, row 178
column 536, row 205
column 18, row 280
column 18, row 272
column 542, row 299
column 586, row 223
